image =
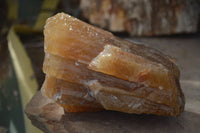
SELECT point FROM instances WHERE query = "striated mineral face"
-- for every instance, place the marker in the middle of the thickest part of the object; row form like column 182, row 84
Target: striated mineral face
column 89, row 69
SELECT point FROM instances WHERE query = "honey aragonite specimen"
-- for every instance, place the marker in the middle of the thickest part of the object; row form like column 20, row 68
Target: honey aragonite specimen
column 78, row 73
column 116, row 74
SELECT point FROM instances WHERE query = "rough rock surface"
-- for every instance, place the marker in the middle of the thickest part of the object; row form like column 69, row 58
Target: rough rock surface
column 49, row 117
column 144, row 17
column 120, row 75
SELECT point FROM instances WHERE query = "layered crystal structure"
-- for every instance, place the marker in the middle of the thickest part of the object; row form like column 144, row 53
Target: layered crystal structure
column 89, row 69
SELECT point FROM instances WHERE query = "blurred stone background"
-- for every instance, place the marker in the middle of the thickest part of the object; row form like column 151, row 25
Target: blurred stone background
column 144, row 17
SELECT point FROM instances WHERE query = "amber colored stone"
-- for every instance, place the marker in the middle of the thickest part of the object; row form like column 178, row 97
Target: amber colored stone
column 112, row 98
column 127, row 66
column 73, row 97
column 118, row 75
column 78, row 73
column 69, row 37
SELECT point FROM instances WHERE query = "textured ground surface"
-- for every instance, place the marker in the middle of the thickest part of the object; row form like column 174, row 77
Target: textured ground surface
column 49, row 117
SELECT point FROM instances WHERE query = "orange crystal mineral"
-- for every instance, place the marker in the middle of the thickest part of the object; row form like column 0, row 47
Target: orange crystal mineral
column 89, row 69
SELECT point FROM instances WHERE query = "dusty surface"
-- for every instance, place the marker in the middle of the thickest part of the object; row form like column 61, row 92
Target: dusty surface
column 50, row 117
